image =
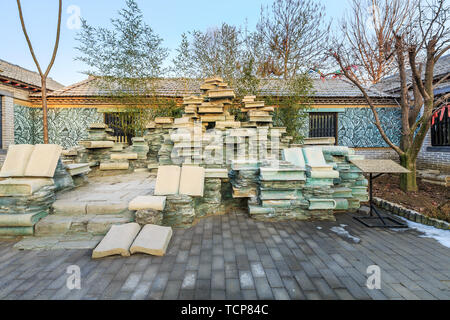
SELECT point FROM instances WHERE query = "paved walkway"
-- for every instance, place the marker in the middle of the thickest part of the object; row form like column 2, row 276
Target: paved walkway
column 110, row 189
column 234, row 257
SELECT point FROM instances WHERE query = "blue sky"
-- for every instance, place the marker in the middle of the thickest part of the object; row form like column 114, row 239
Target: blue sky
column 169, row 18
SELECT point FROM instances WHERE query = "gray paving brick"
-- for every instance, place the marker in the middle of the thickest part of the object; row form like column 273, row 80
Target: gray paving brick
column 246, row 280
column 204, row 271
column 132, row 282
column 280, row 294
column 172, row 289
column 293, row 289
column 263, row 289
column 234, row 257
column 189, row 280
column 233, row 289
column 324, row 289
column 218, row 280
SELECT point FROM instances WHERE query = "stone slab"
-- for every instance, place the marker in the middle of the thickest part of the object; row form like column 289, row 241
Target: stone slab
column 98, row 126
column 279, row 175
column 103, row 208
column 167, row 180
column 216, row 173
column 147, row 202
column 152, row 240
column 321, row 204
column 114, row 166
column 16, row 231
column 22, row 186
column 101, row 224
column 192, row 181
column 315, row 160
column 328, row 174
column 117, row 241
column 280, row 194
column 21, row 220
column 53, row 225
column 43, row 160
column 124, row 156
column 341, row 204
column 98, row 144
column 16, row 160
column 78, row 168
column 69, row 207
column 294, row 156
column 320, row 141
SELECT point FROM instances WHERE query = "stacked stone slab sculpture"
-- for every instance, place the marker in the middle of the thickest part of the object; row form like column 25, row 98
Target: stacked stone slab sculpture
column 257, row 113
column 303, row 186
column 100, row 150
column 155, row 135
column 98, row 146
column 319, row 184
column 191, row 192
column 62, row 178
column 212, row 111
column 148, row 209
column 28, row 190
column 179, row 209
column 280, row 194
column 79, row 173
column 244, row 178
column 211, row 203
column 350, row 189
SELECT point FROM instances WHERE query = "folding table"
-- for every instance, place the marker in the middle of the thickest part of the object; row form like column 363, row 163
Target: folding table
column 378, row 167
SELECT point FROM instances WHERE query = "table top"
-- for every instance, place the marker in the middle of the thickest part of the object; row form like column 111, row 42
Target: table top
column 379, row 166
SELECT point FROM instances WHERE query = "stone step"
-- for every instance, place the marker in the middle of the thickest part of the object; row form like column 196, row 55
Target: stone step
column 83, row 224
column 57, row 242
column 114, row 166
column 79, row 208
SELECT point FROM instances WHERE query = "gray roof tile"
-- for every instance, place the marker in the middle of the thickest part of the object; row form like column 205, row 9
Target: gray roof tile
column 180, row 87
column 17, row 73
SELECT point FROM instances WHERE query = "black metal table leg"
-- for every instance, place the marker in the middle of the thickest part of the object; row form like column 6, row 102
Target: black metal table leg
column 386, row 222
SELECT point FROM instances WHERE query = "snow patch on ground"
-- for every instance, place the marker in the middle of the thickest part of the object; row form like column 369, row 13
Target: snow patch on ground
column 440, row 235
column 319, row 228
column 345, row 234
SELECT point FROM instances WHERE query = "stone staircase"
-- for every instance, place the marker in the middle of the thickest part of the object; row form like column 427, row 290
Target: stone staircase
column 75, row 218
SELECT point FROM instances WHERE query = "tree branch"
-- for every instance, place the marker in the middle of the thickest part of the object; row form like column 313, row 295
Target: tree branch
column 55, row 49
column 417, row 78
column 30, row 46
column 441, row 100
column 371, row 105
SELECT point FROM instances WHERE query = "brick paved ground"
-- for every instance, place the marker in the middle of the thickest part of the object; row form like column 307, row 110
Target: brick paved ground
column 234, row 257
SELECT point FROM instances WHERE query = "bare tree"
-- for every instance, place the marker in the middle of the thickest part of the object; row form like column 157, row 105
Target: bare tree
column 293, row 31
column 411, row 36
column 43, row 75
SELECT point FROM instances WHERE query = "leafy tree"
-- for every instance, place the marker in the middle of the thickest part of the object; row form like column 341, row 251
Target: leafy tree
column 127, row 62
column 182, row 63
column 292, row 109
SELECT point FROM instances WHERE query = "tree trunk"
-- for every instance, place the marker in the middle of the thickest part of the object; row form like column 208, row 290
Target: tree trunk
column 44, row 108
column 408, row 181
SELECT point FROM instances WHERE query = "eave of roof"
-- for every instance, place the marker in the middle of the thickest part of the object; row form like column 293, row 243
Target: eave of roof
column 26, row 77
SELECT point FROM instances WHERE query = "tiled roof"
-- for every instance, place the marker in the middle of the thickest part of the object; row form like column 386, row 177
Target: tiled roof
column 180, row 87
column 392, row 83
column 14, row 72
